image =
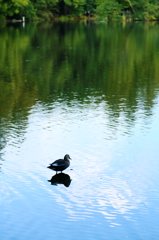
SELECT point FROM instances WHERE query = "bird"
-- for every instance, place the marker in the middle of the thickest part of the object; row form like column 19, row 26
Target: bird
column 60, row 164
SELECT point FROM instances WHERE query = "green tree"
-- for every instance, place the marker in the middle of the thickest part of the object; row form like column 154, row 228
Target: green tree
column 140, row 9
column 146, row 9
column 108, row 8
column 90, row 5
column 126, row 4
column 12, row 7
column 75, row 3
column 71, row 7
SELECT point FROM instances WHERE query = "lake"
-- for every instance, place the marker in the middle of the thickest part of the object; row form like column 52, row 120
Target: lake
column 90, row 90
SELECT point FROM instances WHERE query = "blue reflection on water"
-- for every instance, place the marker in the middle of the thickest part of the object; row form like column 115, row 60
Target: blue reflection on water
column 114, row 189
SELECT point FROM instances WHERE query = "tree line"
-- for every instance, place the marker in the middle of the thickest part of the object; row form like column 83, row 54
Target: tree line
column 104, row 9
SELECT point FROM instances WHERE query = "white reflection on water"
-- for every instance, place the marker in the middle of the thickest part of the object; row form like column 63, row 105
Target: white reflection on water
column 109, row 196
column 115, row 165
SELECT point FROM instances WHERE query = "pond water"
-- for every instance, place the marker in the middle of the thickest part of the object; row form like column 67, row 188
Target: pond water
column 90, row 90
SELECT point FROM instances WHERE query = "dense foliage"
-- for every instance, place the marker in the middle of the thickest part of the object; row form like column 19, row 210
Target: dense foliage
column 33, row 9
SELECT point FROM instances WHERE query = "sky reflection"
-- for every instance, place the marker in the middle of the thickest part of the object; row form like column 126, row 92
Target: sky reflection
column 112, row 177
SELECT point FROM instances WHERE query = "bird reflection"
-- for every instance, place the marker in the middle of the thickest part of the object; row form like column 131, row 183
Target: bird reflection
column 60, row 178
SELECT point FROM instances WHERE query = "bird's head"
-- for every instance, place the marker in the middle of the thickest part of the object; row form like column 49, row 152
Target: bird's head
column 67, row 156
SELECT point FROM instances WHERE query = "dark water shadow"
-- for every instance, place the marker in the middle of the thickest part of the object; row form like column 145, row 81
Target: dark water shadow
column 60, row 178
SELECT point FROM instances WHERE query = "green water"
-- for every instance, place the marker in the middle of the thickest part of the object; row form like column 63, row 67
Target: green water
column 90, row 90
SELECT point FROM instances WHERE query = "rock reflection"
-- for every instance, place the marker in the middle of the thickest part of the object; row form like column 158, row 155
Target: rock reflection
column 60, row 178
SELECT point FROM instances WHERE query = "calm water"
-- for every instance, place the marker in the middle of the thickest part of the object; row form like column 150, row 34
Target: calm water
column 92, row 91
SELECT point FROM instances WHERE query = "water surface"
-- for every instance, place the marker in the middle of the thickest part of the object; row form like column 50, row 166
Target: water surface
column 90, row 90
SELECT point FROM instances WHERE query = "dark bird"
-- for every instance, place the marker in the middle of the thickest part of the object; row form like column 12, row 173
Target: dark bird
column 60, row 164
column 60, row 178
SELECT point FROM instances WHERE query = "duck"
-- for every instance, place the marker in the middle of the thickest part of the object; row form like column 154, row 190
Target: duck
column 60, row 164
